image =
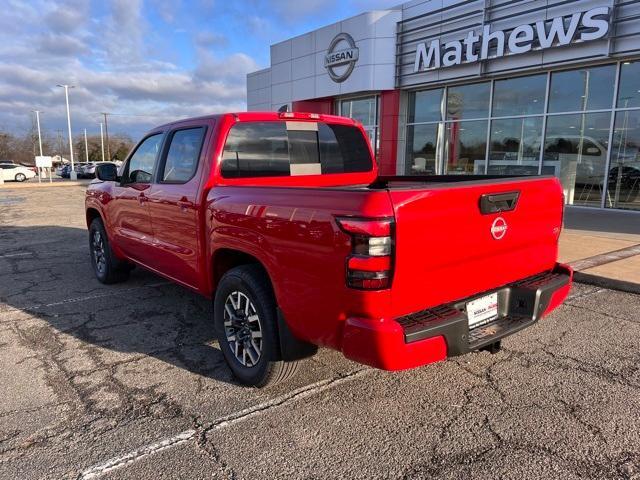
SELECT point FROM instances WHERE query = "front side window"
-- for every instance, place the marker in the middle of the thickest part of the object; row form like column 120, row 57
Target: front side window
column 182, row 157
column 141, row 164
column 276, row 149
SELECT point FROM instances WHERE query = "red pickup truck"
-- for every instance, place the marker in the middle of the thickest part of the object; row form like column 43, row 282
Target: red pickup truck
column 282, row 220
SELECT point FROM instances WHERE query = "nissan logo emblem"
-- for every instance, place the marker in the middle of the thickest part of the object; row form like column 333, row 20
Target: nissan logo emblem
column 341, row 57
column 499, row 228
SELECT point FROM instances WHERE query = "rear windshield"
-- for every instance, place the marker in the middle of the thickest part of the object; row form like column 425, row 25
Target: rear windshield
column 282, row 149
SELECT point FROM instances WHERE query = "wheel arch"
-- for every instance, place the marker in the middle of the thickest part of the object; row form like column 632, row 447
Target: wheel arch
column 91, row 214
column 223, row 260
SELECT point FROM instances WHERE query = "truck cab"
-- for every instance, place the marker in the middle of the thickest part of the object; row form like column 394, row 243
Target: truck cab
column 282, row 220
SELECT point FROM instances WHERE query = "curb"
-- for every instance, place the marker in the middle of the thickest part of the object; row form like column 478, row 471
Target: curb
column 604, row 282
column 9, row 186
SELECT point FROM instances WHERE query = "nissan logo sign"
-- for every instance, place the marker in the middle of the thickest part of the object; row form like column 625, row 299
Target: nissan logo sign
column 341, row 57
column 499, row 228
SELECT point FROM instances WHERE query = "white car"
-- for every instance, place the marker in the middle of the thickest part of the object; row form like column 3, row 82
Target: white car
column 88, row 170
column 11, row 171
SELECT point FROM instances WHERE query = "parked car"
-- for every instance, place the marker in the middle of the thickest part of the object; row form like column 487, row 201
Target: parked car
column 281, row 219
column 65, row 171
column 18, row 173
column 88, row 170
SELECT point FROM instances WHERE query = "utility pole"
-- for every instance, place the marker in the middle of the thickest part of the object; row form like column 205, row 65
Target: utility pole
column 86, row 147
column 60, row 147
column 101, row 141
column 106, row 131
column 73, row 175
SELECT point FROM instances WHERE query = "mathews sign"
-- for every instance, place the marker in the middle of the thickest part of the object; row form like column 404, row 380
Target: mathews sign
column 578, row 27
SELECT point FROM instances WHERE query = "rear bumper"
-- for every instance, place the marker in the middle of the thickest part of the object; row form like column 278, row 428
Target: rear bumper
column 433, row 334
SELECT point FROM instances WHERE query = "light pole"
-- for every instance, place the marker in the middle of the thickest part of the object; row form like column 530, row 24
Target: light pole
column 101, row 141
column 86, row 147
column 72, row 175
column 37, row 112
column 106, row 131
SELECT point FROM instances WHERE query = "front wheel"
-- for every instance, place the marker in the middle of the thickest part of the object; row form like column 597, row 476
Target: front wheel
column 107, row 267
column 20, row 177
column 245, row 320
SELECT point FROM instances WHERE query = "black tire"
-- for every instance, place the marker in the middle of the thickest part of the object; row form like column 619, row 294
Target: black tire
column 252, row 282
column 106, row 266
column 20, row 177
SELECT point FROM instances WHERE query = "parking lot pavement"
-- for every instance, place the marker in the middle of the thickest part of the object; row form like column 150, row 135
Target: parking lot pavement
column 126, row 381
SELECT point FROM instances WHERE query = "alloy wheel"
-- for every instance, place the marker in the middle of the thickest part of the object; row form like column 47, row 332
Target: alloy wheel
column 242, row 328
column 97, row 244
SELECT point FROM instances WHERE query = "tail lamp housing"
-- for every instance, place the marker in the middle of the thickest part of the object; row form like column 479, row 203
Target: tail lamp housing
column 370, row 265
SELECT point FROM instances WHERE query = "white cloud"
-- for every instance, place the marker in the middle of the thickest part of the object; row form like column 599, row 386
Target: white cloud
column 117, row 63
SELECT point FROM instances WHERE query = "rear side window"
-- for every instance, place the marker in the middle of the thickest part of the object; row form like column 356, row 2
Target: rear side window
column 183, row 154
column 276, row 149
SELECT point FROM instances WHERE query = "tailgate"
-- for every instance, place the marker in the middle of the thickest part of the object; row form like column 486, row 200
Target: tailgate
column 448, row 249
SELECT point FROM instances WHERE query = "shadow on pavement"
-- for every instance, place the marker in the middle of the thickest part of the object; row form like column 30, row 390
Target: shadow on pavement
column 145, row 315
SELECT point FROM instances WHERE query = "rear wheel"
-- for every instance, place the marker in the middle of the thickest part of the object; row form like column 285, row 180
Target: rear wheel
column 20, row 177
column 246, row 327
column 106, row 266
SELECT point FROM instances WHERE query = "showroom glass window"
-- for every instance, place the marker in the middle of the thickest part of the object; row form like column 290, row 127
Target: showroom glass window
column 576, row 144
column 364, row 110
column 515, row 146
column 623, row 179
column 519, row 96
column 575, row 151
column 516, row 133
column 424, row 132
column 568, row 123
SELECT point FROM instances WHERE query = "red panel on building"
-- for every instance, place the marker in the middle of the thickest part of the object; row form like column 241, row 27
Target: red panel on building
column 388, row 147
column 318, row 105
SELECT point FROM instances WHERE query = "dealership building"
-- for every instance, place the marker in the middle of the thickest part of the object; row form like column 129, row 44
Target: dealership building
column 480, row 87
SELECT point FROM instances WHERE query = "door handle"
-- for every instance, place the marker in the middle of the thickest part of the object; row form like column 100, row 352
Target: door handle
column 498, row 202
column 184, row 204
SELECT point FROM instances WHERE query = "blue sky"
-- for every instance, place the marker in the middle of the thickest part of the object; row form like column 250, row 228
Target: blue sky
column 148, row 61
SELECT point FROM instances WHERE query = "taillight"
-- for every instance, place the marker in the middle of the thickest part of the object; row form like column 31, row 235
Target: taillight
column 370, row 265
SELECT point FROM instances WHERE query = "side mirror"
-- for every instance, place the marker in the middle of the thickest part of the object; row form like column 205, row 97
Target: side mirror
column 107, row 172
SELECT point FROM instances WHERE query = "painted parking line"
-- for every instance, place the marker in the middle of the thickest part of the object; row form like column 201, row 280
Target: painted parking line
column 220, row 423
column 20, row 254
